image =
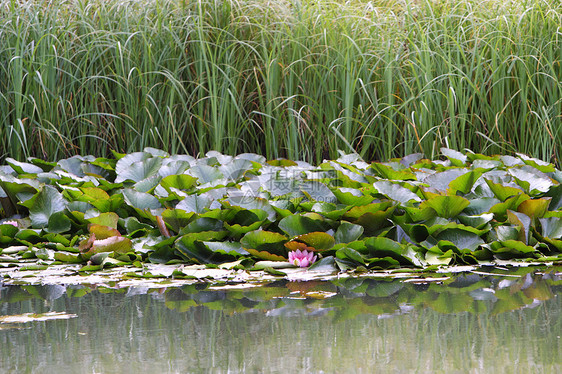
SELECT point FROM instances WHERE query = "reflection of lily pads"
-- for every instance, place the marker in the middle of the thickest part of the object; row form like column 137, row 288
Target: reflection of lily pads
column 35, row 317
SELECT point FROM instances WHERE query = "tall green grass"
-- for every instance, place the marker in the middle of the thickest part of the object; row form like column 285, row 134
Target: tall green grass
column 285, row 78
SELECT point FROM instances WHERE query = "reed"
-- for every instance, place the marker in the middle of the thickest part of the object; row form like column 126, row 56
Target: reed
column 285, row 78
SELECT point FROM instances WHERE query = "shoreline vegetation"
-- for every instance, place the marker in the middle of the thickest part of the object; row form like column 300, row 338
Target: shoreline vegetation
column 293, row 79
column 244, row 213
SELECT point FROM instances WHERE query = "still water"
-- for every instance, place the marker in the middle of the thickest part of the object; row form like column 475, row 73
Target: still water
column 467, row 323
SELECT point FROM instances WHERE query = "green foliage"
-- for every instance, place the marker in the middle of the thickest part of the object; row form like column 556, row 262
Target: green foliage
column 436, row 213
column 296, row 79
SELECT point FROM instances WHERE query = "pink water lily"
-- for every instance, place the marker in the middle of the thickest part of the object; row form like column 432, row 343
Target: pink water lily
column 302, row 259
column 13, row 223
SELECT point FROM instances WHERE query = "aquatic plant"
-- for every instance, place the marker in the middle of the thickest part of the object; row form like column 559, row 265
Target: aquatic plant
column 302, row 259
column 245, row 212
column 296, row 79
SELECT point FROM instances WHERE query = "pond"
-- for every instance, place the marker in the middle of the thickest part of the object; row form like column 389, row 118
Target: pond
column 475, row 322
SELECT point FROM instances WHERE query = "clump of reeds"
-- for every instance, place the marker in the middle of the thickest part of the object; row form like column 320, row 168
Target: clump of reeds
column 298, row 79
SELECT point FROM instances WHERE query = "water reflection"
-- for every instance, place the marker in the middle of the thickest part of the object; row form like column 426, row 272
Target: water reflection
column 466, row 323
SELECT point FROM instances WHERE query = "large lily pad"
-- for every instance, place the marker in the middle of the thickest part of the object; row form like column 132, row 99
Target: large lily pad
column 42, row 205
column 446, row 206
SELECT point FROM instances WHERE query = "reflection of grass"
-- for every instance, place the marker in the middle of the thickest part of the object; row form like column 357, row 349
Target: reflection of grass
column 116, row 333
column 285, row 78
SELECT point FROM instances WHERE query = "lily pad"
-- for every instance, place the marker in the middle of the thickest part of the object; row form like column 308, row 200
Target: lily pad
column 446, row 206
column 42, row 205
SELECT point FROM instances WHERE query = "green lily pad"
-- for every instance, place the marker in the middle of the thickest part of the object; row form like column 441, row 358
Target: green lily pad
column 464, row 183
column 177, row 218
column 23, row 167
column 317, row 240
column 140, row 200
column 58, row 222
column 510, row 249
column 300, row 224
column 270, row 242
column 358, row 211
column 43, row 204
column 348, row 232
column 265, row 255
column 347, row 253
column 522, row 221
column 194, row 203
column 136, row 167
column 227, row 248
column 388, row 172
column 456, row 158
column 352, row 196
column 182, row 182
column 533, row 181
column 462, row 239
column 110, row 219
column 446, row 206
column 205, row 173
column 503, row 192
column 396, row 192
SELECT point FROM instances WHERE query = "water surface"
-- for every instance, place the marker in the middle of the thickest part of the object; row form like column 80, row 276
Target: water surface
column 467, row 323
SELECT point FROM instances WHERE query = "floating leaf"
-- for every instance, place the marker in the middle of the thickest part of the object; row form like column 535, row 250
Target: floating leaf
column 43, row 204
column 523, row 222
column 194, row 203
column 533, row 181
column 357, row 211
column 265, row 255
column 177, row 218
column 299, row 224
column 503, row 192
column 115, row 244
column 477, row 221
column 456, row 158
column 58, row 222
column 326, row 264
column 105, row 219
column 227, row 248
column 136, row 167
column 534, row 208
column 461, row 239
column 267, row 241
column 23, row 167
column 140, row 200
column 348, row 232
column 352, row 196
column 181, row 182
column 396, row 192
column 512, row 249
column 103, row 232
column 317, row 240
column 347, row 253
column 388, row 172
column 446, row 206
column 551, row 227
column 205, row 173
column 441, row 180
column 464, row 183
